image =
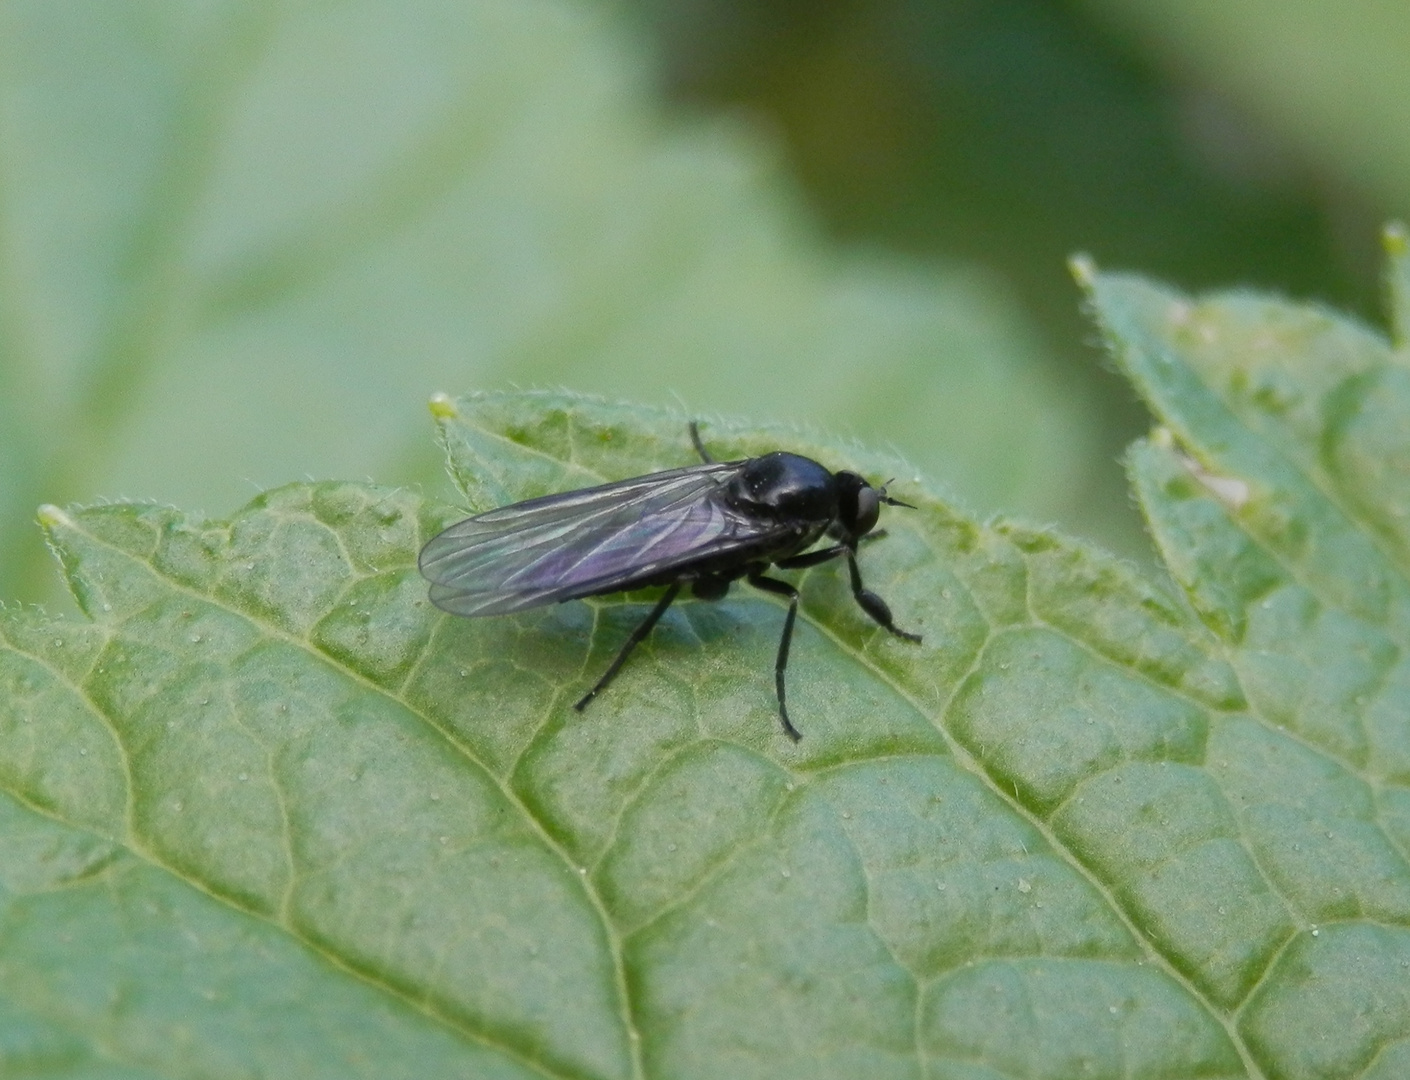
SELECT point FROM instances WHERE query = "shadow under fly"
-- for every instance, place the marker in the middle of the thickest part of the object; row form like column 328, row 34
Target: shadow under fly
column 704, row 526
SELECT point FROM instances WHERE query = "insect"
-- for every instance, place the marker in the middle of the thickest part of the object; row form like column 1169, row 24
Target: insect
column 705, row 526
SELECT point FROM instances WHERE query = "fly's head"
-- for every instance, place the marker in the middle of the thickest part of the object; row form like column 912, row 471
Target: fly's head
column 859, row 505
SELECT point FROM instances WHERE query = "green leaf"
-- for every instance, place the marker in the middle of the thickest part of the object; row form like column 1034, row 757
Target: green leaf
column 240, row 243
column 1279, row 496
column 298, row 772
column 267, row 811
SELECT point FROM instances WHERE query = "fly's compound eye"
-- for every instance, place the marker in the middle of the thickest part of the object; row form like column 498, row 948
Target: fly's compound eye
column 858, row 504
column 868, row 510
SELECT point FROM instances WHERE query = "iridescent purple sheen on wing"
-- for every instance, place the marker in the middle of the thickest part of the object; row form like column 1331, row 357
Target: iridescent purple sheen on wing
column 581, row 543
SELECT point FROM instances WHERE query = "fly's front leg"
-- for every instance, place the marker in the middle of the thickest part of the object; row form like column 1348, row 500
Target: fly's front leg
column 872, row 604
column 812, row 558
column 638, row 635
column 781, row 588
column 867, row 600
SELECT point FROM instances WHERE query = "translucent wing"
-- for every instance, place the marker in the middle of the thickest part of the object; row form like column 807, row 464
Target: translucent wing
column 580, row 543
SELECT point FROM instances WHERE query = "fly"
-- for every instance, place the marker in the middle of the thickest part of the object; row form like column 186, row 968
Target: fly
column 705, row 526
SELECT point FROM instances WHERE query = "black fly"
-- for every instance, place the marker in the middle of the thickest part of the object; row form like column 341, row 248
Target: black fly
column 704, row 526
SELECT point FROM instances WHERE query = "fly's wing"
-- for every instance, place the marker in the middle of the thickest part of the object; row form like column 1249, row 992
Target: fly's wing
column 600, row 539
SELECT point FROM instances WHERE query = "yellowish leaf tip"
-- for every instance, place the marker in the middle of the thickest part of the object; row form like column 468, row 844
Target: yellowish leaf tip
column 1083, row 269
column 1395, row 239
column 443, row 407
column 51, row 517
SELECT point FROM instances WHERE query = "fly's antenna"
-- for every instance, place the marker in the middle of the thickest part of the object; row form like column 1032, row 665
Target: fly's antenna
column 888, row 500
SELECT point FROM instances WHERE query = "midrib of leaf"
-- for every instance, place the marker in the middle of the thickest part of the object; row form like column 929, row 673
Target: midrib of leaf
column 507, row 792
column 1226, row 1020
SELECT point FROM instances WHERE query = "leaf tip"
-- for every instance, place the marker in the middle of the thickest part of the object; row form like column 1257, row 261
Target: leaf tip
column 442, row 406
column 51, row 517
column 1395, row 239
column 1083, row 269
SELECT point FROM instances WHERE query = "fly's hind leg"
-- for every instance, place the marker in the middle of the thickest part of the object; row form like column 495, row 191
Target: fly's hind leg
column 637, row 637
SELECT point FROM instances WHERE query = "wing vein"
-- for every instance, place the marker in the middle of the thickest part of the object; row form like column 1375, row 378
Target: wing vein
column 602, row 539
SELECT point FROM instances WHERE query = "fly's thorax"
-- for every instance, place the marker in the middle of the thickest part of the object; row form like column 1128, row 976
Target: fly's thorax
column 785, row 487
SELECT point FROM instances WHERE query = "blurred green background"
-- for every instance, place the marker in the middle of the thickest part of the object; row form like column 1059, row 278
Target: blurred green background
column 241, row 243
